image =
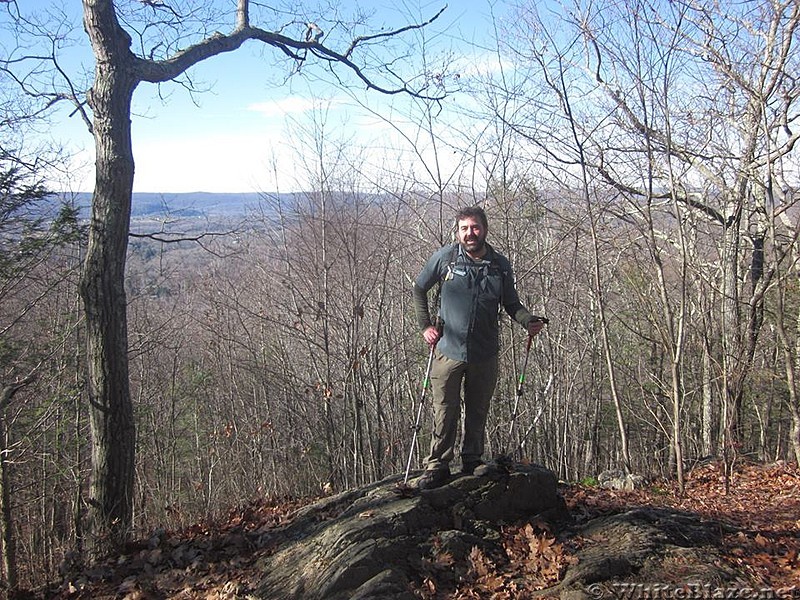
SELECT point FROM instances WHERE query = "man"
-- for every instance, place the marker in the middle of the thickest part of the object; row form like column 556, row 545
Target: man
column 475, row 281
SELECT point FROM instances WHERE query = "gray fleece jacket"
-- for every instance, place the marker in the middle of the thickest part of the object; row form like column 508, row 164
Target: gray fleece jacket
column 471, row 294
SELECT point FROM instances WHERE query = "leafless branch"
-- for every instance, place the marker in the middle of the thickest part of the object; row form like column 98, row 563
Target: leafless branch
column 9, row 390
column 369, row 38
column 175, row 237
column 169, row 69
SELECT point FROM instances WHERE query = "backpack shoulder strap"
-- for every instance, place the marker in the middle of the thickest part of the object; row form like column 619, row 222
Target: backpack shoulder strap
column 450, row 265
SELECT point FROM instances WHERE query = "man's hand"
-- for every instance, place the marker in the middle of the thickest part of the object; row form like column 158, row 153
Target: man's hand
column 431, row 335
column 536, row 325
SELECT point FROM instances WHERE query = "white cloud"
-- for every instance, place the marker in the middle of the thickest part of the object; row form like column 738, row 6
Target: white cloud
column 481, row 65
column 232, row 162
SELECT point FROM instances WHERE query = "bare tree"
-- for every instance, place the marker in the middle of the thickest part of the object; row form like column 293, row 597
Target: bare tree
column 7, row 543
column 32, row 225
column 155, row 42
column 679, row 158
column 731, row 167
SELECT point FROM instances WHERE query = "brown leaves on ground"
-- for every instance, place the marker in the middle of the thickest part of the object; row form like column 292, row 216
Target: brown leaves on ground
column 212, row 561
column 764, row 503
column 761, row 512
column 532, row 559
column 760, row 507
column 220, row 560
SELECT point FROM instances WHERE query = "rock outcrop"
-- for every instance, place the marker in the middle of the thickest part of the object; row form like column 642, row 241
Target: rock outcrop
column 369, row 543
column 617, row 479
column 645, row 552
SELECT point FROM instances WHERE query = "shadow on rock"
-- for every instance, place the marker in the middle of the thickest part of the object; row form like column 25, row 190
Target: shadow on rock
column 370, row 543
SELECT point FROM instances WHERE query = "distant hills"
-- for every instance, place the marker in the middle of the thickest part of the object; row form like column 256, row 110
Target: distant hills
column 181, row 205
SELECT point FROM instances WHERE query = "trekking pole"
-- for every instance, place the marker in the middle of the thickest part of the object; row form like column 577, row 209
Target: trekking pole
column 425, row 385
column 520, row 384
column 521, row 381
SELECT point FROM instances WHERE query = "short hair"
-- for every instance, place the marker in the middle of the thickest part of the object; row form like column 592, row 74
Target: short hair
column 472, row 212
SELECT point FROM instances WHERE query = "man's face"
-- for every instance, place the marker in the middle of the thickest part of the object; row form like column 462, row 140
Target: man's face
column 471, row 235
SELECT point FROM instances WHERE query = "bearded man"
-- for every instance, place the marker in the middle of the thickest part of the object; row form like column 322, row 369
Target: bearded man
column 475, row 281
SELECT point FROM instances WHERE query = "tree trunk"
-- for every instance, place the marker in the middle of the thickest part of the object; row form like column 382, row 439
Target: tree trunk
column 709, row 447
column 794, row 434
column 731, row 337
column 7, row 550
column 677, row 397
column 791, row 359
column 7, row 545
column 794, row 402
column 103, row 283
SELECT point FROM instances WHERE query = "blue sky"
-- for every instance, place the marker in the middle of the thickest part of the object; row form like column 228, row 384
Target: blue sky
column 254, row 132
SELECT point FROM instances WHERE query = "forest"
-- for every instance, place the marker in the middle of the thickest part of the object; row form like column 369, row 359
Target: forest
column 639, row 169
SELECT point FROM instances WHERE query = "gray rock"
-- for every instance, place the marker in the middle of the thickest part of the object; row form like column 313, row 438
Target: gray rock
column 389, row 583
column 651, row 545
column 617, row 479
column 369, row 543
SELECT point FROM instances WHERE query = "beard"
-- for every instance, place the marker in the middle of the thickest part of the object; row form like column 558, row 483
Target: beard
column 473, row 243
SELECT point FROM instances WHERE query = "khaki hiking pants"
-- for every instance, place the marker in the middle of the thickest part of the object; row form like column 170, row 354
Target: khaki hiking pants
column 479, row 380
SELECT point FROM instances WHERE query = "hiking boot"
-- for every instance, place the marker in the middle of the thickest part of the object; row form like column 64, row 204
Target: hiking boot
column 468, row 468
column 433, row 479
column 478, row 468
column 482, row 470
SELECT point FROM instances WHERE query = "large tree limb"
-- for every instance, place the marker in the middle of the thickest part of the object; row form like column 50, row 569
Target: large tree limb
column 169, row 69
column 10, row 390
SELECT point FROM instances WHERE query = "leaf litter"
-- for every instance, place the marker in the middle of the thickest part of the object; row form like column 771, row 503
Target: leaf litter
column 219, row 560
